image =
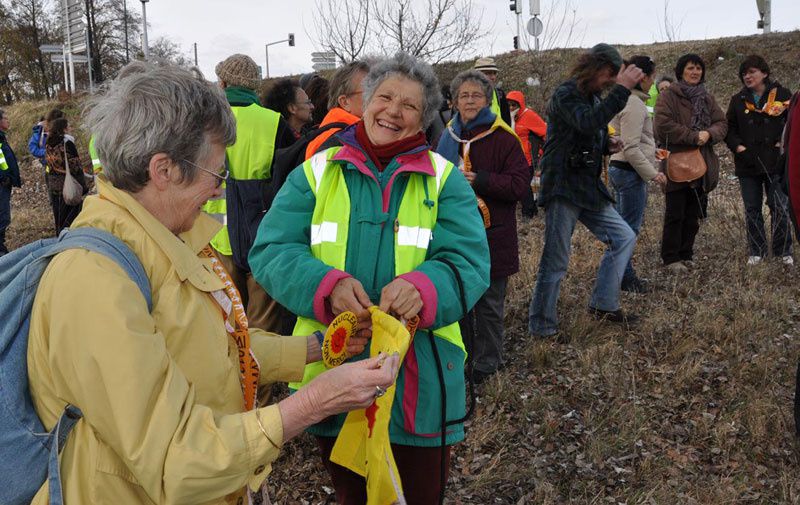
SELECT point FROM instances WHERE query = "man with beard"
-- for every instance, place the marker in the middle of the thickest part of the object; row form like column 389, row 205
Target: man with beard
column 572, row 189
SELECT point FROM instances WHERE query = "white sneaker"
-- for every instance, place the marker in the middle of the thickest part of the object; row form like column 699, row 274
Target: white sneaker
column 787, row 260
column 754, row 260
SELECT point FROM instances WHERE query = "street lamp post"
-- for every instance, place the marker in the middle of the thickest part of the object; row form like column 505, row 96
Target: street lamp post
column 145, row 45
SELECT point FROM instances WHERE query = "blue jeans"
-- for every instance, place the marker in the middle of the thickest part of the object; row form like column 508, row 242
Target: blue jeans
column 631, row 193
column 5, row 215
column 605, row 224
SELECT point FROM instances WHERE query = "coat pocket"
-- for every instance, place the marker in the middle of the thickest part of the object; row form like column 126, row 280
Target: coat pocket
column 422, row 386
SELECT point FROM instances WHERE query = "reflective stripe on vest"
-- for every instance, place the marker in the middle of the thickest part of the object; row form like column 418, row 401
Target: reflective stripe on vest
column 330, row 222
column 97, row 167
column 250, row 158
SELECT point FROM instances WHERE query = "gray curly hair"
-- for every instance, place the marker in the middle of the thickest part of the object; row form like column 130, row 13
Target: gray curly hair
column 157, row 109
column 475, row 76
column 405, row 65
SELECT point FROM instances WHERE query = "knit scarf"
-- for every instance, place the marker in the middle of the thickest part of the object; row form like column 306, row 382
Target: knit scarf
column 382, row 155
column 240, row 96
column 452, row 136
column 697, row 95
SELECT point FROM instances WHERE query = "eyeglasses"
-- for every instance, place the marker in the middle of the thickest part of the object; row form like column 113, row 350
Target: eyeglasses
column 474, row 96
column 220, row 176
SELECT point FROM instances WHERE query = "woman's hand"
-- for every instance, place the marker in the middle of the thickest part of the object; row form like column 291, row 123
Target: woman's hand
column 401, row 298
column 349, row 294
column 740, row 149
column 661, row 179
column 347, row 387
column 703, row 138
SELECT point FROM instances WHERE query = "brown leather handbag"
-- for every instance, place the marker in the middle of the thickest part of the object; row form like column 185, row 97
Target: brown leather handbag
column 685, row 166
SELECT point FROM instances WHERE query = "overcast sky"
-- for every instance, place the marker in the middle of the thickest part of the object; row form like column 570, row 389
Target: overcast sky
column 221, row 28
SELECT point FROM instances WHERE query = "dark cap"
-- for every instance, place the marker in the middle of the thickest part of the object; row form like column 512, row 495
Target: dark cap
column 608, row 53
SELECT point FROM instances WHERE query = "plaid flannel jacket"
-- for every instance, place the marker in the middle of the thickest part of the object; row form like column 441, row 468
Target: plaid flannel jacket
column 577, row 134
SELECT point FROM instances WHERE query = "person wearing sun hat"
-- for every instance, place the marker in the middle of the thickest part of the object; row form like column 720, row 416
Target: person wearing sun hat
column 499, row 103
column 259, row 133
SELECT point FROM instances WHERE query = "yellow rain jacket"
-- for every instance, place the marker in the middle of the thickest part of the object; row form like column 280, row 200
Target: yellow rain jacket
column 160, row 392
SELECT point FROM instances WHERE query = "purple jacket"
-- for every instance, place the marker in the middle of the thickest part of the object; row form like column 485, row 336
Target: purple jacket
column 502, row 178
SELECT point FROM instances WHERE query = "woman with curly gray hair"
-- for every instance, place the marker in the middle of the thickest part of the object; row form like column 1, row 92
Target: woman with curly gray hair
column 167, row 395
column 355, row 223
column 490, row 155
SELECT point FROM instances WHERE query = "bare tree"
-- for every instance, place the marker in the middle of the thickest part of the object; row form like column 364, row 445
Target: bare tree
column 438, row 30
column 342, row 27
column 669, row 28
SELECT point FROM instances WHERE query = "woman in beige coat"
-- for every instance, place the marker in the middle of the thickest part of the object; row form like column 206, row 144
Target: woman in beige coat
column 632, row 168
column 167, row 415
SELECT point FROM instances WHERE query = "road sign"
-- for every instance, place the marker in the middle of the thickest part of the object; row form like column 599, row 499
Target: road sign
column 323, row 66
column 535, row 26
column 323, row 56
column 76, row 58
column 51, row 49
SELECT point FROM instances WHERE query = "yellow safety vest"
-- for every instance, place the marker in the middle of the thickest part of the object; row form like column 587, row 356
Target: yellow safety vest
column 97, row 167
column 250, row 158
column 330, row 222
column 3, row 163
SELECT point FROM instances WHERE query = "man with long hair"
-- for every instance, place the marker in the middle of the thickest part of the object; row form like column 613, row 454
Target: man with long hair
column 572, row 189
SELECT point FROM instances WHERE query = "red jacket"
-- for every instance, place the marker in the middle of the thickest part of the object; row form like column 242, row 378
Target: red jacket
column 526, row 123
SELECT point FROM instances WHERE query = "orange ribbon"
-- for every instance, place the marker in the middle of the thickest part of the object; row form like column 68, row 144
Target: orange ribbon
column 230, row 303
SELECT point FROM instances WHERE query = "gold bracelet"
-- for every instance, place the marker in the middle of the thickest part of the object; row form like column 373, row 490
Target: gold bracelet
column 264, row 431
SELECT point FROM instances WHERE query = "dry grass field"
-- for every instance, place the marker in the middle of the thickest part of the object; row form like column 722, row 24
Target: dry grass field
column 691, row 407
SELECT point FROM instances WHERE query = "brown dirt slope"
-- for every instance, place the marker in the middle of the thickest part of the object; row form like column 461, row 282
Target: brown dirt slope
column 692, row 407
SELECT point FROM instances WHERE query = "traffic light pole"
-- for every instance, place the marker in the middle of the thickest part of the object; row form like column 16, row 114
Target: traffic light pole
column 290, row 40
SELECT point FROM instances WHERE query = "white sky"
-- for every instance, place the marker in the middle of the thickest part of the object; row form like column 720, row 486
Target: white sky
column 221, row 28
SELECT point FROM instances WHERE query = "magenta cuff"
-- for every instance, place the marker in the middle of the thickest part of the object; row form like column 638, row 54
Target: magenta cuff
column 322, row 307
column 427, row 291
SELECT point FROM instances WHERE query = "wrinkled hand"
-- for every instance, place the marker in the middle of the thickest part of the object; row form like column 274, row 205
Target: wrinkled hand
column 401, row 298
column 703, row 138
column 615, row 145
column 660, row 179
column 629, row 76
column 352, row 385
column 347, row 387
column 349, row 294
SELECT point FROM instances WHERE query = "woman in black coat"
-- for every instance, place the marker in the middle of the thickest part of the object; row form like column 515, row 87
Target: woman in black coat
column 756, row 117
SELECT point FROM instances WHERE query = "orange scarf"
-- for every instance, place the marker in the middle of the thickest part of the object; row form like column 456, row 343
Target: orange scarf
column 230, row 302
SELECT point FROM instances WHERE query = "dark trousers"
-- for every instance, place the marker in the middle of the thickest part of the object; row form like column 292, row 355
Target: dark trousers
column 753, row 190
column 5, row 215
column 419, row 467
column 63, row 214
column 487, row 349
column 529, row 204
column 684, row 208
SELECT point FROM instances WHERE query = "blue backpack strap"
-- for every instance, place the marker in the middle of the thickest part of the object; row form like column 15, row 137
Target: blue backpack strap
column 59, row 435
column 104, row 243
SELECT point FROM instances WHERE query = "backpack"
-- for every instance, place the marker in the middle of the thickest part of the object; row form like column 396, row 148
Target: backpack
column 29, row 454
column 288, row 158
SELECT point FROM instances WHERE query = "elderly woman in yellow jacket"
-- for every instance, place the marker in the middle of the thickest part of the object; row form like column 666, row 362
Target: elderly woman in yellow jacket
column 165, row 419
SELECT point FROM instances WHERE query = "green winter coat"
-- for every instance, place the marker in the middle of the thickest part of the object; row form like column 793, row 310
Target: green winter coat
column 281, row 261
